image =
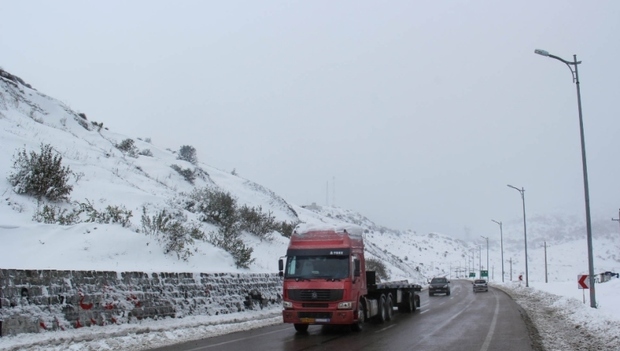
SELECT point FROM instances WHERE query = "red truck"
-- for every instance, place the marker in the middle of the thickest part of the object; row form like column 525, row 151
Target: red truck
column 325, row 281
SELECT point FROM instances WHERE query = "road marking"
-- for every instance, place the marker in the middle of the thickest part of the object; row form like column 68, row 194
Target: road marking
column 235, row 340
column 422, row 312
column 386, row 328
column 487, row 341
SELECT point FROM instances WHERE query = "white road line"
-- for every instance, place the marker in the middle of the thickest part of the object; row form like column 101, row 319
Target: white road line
column 235, row 340
column 422, row 312
column 386, row 328
column 487, row 341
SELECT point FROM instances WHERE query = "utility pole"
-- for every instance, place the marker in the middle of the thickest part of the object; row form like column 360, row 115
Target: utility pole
column 511, row 269
column 617, row 219
column 501, row 238
column 487, row 267
column 522, row 191
column 546, row 276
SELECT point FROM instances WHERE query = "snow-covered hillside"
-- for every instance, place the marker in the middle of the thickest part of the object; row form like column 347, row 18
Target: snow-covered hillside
column 142, row 182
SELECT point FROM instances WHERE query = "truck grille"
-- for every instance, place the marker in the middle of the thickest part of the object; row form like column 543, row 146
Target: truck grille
column 315, row 305
column 315, row 294
column 327, row 315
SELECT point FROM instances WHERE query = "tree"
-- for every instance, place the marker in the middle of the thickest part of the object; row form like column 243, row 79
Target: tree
column 188, row 153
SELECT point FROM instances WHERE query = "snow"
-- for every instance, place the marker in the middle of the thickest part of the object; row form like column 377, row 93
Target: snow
column 105, row 176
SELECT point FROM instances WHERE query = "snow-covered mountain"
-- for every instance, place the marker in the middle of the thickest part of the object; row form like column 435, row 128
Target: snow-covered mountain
column 146, row 179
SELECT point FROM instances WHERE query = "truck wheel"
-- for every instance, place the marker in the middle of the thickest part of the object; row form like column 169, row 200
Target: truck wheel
column 381, row 315
column 448, row 293
column 430, row 293
column 407, row 305
column 361, row 317
column 411, row 303
column 389, row 308
column 301, row 327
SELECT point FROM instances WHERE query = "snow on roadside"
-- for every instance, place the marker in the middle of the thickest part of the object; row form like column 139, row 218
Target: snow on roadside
column 565, row 323
column 142, row 335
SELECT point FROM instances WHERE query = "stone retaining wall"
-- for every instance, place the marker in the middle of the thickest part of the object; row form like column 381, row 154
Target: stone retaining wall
column 38, row 300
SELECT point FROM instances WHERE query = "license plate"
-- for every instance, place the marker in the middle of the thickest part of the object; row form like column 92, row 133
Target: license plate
column 306, row 320
column 322, row 320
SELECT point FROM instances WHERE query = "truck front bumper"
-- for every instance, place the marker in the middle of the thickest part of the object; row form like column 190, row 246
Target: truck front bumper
column 318, row 317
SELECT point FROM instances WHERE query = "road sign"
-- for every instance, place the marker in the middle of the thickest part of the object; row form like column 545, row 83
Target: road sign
column 472, row 275
column 484, row 274
column 583, row 282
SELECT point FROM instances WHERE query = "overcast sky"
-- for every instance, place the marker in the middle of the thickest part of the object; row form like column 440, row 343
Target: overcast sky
column 420, row 113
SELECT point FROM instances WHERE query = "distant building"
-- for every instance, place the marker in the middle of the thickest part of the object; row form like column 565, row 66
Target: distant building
column 313, row 207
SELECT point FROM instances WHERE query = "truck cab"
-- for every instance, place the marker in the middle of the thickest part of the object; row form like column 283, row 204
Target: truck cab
column 323, row 279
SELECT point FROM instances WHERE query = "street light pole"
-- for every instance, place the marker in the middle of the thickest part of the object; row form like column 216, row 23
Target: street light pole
column 479, row 261
column 487, row 239
column 618, row 219
column 501, row 238
column 522, row 191
column 586, row 190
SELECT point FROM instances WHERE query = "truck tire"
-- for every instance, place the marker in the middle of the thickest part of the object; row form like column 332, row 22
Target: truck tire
column 361, row 317
column 301, row 327
column 407, row 306
column 389, row 308
column 448, row 293
column 381, row 315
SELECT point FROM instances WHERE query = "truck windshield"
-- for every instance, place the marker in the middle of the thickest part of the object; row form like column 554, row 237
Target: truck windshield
column 309, row 267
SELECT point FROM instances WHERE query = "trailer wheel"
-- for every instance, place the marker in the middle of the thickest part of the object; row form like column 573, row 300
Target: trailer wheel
column 408, row 305
column 361, row 317
column 389, row 308
column 301, row 327
column 381, row 315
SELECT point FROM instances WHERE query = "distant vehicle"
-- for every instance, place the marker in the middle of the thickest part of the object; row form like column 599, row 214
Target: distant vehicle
column 439, row 285
column 326, row 282
column 480, row 285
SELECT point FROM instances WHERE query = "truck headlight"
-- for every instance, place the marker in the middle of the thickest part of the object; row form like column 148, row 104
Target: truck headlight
column 287, row 304
column 445, row 286
column 345, row 305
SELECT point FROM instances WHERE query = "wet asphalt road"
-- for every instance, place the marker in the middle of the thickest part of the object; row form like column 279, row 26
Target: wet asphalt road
column 463, row 321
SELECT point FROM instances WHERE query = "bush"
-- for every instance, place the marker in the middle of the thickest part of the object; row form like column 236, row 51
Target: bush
column 55, row 215
column 188, row 153
column 253, row 220
column 170, row 231
column 286, row 228
column 229, row 239
column 373, row 264
column 128, row 146
column 41, row 175
column 214, row 206
column 187, row 173
column 146, row 152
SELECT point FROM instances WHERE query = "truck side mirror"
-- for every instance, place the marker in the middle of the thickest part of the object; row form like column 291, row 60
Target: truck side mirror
column 357, row 269
column 280, row 265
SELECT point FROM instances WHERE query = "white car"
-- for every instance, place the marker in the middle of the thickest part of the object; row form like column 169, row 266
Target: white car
column 480, row 285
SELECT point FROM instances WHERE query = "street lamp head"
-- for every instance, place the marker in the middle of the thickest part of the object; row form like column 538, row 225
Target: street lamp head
column 541, row 52
column 514, row 187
